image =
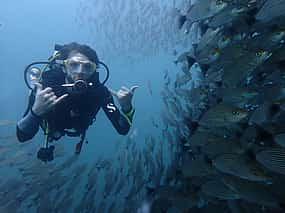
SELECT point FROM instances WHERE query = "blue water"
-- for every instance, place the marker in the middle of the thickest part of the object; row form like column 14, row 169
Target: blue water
column 30, row 28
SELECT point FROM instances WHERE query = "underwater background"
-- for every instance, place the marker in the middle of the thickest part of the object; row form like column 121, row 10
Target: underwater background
column 136, row 48
column 30, row 30
column 208, row 131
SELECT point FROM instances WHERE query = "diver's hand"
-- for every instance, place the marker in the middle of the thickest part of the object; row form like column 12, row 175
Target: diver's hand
column 45, row 100
column 124, row 96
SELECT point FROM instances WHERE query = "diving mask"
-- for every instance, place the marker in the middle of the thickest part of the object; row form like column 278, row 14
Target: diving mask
column 78, row 67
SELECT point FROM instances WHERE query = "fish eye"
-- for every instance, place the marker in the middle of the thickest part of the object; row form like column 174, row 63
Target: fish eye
column 219, row 2
column 215, row 51
column 225, row 38
column 260, row 53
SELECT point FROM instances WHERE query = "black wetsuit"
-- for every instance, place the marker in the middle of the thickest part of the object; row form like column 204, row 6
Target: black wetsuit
column 75, row 112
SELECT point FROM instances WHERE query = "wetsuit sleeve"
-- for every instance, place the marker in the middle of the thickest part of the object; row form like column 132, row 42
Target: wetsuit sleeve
column 120, row 120
column 28, row 126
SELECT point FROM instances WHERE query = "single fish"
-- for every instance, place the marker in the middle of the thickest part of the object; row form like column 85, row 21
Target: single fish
column 273, row 159
column 197, row 168
column 269, row 41
column 201, row 138
column 252, row 192
column 66, row 164
column 104, row 164
column 208, row 41
column 186, row 57
column 237, row 96
column 280, row 139
column 204, row 9
column 173, row 107
column 228, row 16
column 271, row 9
column 270, row 79
column 227, row 57
column 222, row 115
column 223, row 41
column 7, row 123
column 120, row 185
column 276, row 60
column 209, row 57
column 240, row 166
column 180, row 21
column 273, row 93
column 264, row 113
column 235, row 75
column 222, row 146
column 273, row 128
column 249, row 137
column 182, row 79
column 149, row 87
column 79, row 170
column 219, row 190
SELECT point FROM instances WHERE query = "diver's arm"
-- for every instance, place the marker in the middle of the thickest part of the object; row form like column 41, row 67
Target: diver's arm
column 121, row 120
column 28, row 126
column 45, row 100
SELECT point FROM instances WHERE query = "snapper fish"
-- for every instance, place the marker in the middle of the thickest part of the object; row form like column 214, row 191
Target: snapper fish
column 204, row 9
column 222, row 115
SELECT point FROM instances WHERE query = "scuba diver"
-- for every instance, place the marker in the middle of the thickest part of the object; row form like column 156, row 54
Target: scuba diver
column 67, row 94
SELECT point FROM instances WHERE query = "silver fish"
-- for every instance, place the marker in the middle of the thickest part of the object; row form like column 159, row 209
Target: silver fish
column 7, row 122
column 270, row 10
column 208, row 41
column 182, row 79
column 229, row 15
column 205, row 9
column 149, row 87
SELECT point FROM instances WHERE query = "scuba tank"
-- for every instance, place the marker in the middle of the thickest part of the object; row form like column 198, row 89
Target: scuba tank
column 33, row 74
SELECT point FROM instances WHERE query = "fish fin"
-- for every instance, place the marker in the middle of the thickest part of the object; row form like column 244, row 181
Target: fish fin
column 273, row 159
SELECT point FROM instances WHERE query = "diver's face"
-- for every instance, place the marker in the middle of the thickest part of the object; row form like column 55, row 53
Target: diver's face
column 78, row 67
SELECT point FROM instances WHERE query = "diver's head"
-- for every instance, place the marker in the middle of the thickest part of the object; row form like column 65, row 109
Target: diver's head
column 80, row 62
column 78, row 67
